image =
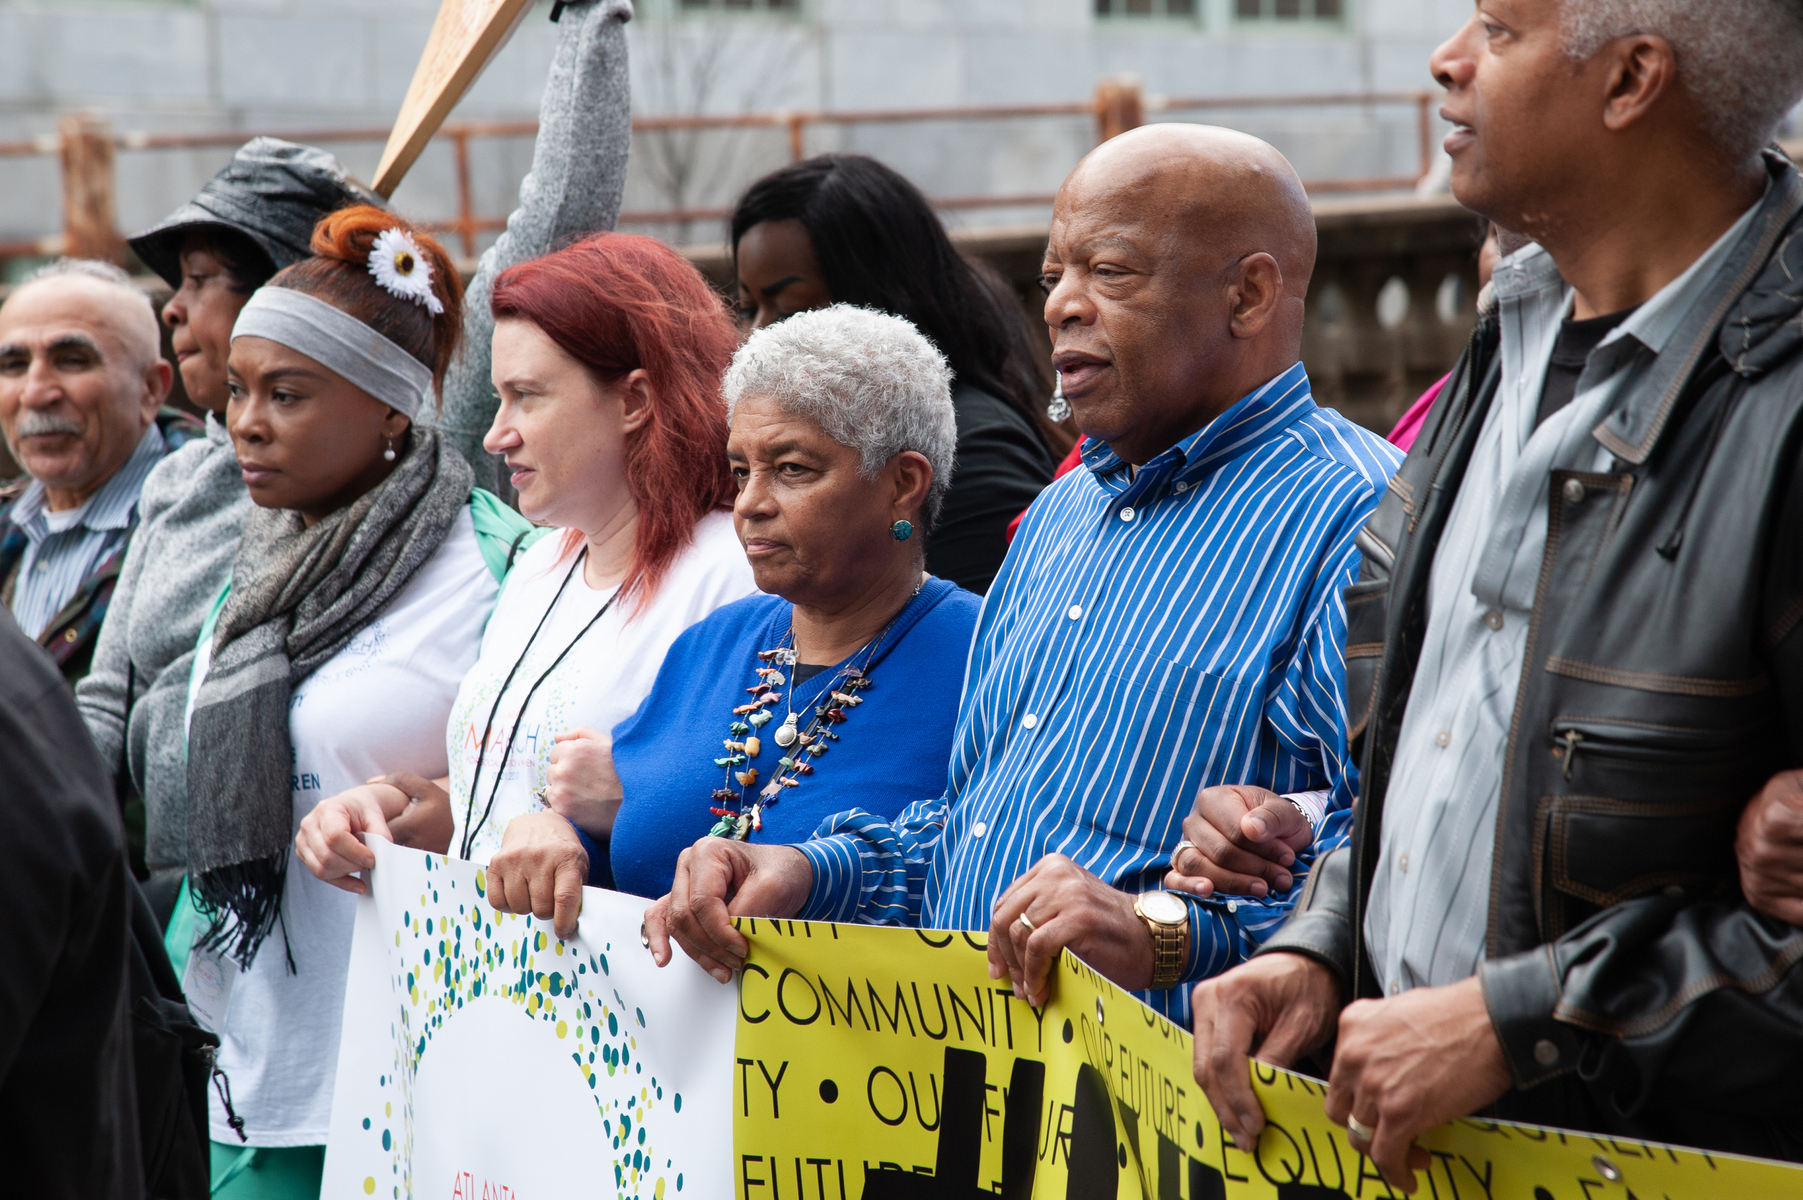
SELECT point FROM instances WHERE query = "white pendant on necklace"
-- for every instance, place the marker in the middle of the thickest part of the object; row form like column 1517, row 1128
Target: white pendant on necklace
column 786, row 735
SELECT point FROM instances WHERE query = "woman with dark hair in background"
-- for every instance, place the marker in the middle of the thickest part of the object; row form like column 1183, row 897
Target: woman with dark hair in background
column 845, row 229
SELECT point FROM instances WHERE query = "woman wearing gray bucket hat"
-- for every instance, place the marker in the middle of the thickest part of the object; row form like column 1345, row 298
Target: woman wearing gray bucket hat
column 248, row 222
column 254, row 218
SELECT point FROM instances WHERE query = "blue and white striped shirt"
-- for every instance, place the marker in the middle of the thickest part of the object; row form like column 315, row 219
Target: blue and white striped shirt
column 1151, row 633
column 56, row 562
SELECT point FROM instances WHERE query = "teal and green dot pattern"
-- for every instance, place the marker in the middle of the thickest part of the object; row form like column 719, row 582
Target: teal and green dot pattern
column 453, row 948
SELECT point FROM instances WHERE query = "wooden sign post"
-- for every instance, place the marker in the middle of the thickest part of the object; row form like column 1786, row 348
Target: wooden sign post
column 89, row 228
column 466, row 35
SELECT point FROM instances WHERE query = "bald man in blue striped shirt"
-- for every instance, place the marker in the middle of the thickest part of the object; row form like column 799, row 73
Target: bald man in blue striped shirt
column 1169, row 618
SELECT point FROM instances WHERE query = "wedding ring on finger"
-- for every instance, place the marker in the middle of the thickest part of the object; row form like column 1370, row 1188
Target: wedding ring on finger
column 644, row 936
column 1360, row 1130
column 1028, row 922
column 1176, row 854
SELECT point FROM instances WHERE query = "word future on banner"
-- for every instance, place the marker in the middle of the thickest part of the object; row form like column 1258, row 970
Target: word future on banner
column 885, row 1064
column 484, row 1059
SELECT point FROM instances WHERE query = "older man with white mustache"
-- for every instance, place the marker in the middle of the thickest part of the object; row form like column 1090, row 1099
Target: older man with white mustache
column 81, row 383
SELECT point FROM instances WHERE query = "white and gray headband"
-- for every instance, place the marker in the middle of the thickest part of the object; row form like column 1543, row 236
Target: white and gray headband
column 338, row 341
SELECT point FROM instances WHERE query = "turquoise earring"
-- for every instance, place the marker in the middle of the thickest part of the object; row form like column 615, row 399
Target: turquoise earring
column 902, row 530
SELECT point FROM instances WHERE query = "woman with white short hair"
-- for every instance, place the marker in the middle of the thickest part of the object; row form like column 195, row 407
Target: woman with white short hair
column 841, row 441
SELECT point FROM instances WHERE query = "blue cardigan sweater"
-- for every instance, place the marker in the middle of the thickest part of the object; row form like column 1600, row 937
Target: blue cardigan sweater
column 893, row 749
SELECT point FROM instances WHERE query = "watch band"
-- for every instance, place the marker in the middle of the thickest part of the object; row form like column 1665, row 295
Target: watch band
column 1308, row 817
column 1170, row 949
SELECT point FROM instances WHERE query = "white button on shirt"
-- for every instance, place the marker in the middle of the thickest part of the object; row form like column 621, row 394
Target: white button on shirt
column 1029, row 721
column 1076, row 612
column 979, row 829
column 1127, row 513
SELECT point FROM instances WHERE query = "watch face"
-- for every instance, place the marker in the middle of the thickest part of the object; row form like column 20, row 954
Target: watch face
column 1164, row 907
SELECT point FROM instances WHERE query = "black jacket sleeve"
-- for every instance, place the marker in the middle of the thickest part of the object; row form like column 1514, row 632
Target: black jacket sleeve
column 1320, row 927
column 67, row 1100
column 1002, row 467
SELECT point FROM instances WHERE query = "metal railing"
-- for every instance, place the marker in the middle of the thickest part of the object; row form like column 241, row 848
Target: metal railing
column 87, row 146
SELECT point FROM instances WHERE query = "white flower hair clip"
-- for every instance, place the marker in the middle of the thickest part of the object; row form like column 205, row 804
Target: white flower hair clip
column 396, row 262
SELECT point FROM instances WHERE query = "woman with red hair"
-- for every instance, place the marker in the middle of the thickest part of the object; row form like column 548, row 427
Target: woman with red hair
column 607, row 360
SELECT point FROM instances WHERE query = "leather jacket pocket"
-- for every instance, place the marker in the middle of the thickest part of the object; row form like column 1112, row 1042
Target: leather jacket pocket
column 1617, row 745
column 1593, row 850
column 1367, row 606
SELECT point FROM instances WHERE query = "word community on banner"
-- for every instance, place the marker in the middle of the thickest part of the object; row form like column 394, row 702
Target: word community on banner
column 484, row 1059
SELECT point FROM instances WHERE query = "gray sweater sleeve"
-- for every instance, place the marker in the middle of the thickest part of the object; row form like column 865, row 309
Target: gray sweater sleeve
column 574, row 187
column 100, row 694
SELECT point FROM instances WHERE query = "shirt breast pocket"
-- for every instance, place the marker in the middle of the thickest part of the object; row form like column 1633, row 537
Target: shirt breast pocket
column 1167, row 725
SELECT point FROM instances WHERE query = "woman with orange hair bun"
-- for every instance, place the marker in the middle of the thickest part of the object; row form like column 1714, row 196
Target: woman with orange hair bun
column 366, row 572
column 607, row 360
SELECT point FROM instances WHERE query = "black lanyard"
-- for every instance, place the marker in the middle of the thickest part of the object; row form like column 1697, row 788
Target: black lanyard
column 470, row 830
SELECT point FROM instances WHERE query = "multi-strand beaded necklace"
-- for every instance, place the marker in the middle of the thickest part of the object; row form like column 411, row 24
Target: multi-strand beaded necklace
column 797, row 747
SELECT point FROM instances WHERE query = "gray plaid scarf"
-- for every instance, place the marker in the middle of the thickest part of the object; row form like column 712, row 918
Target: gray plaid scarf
column 298, row 597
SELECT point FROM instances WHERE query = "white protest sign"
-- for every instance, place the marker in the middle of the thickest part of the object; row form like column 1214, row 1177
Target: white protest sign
column 483, row 1059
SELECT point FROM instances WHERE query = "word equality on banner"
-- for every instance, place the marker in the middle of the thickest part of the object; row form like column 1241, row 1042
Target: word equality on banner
column 885, row 1064
column 484, row 1059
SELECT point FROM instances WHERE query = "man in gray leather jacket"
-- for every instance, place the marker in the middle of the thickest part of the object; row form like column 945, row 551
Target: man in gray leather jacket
column 1576, row 645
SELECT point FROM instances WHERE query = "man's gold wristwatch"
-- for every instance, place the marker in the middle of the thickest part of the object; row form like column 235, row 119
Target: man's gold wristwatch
column 1167, row 920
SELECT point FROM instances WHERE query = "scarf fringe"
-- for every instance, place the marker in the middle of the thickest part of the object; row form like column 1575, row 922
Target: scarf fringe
column 242, row 903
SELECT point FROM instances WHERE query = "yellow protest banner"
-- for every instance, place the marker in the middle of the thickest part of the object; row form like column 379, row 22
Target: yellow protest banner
column 885, row 1064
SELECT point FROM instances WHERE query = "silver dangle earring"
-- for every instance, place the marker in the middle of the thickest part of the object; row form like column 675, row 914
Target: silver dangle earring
column 388, row 454
column 1059, row 410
